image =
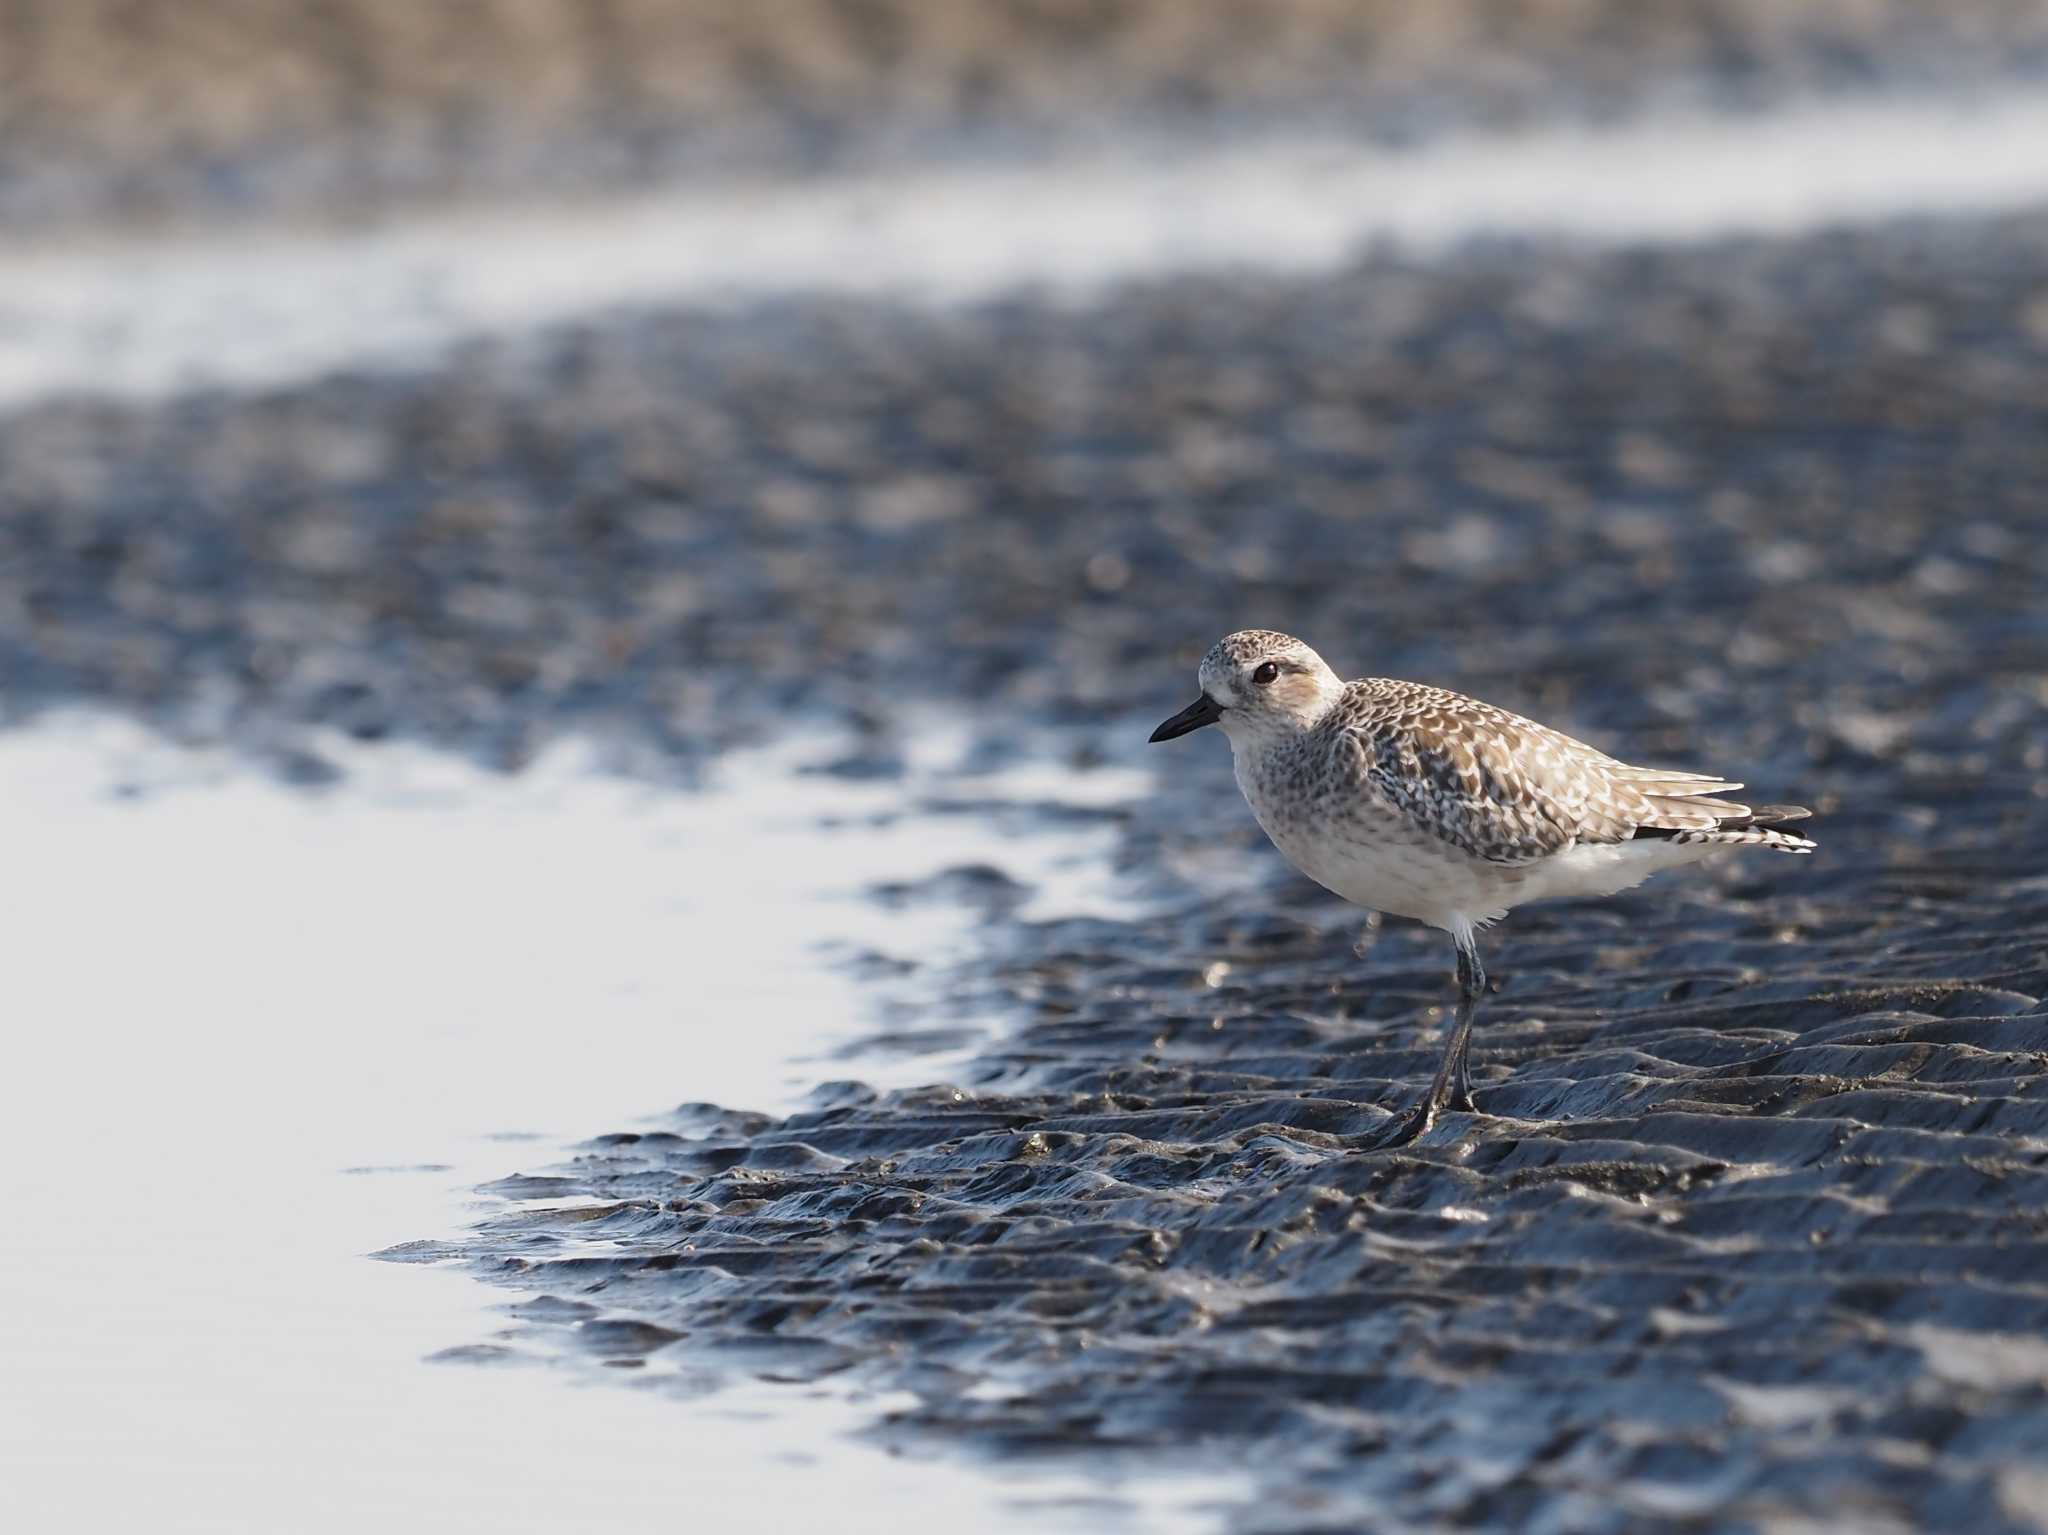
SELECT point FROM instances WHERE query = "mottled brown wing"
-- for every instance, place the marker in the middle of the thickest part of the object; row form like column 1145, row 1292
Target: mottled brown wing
column 1493, row 784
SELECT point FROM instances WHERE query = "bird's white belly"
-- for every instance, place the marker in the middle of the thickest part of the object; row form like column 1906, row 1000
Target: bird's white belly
column 1385, row 865
column 1390, row 870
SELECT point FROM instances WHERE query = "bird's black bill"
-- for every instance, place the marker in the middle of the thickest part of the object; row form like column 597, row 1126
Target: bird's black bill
column 1203, row 711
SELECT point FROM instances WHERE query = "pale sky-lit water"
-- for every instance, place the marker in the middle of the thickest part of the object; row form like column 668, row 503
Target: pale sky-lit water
column 257, row 307
column 257, row 1033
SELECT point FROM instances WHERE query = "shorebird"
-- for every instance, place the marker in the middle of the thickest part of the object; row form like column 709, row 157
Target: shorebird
column 1423, row 803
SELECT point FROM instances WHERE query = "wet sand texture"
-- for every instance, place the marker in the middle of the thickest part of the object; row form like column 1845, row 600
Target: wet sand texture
column 1769, row 507
column 236, row 107
column 1771, row 1241
column 1784, row 1257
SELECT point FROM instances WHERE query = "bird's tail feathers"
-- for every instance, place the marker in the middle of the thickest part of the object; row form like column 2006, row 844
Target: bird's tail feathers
column 1735, row 826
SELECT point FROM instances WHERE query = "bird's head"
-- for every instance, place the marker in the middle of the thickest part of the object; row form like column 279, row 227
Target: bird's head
column 1258, row 684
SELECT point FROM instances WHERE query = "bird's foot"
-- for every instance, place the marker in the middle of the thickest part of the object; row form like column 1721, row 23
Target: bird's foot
column 1403, row 1129
column 1406, row 1129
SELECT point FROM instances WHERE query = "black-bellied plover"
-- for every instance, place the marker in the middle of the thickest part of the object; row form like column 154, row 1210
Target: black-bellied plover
column 1423, row 803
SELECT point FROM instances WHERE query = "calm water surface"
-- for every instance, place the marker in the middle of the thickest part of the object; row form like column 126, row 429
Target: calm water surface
column 260, row 1032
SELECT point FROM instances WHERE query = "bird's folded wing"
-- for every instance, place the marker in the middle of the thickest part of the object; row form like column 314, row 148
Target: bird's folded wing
column 1507, row 790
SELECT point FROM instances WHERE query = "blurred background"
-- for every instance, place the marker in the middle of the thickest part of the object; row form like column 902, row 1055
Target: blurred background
column 561, row 558
column 137, row 112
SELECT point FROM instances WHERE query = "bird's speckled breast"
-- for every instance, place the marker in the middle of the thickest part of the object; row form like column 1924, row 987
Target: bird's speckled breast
column 1329, row 822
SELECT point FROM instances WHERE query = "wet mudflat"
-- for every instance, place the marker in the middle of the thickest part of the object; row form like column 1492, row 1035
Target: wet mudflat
column 1756, row 1235
column 1757, row 1232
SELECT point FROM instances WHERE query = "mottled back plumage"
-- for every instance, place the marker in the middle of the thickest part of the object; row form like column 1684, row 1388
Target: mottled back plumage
column 1507, row 790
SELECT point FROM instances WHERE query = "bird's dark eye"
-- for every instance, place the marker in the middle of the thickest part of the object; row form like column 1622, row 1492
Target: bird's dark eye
column 1267, row 671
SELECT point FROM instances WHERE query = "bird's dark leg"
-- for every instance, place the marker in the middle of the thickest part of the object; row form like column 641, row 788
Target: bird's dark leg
column 1451, row 1087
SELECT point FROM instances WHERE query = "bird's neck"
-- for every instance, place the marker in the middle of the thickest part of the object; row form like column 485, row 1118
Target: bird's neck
column 1254, row 740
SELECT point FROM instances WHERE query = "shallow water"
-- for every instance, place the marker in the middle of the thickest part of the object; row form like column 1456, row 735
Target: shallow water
column 257, row 307
column 261, row 1031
